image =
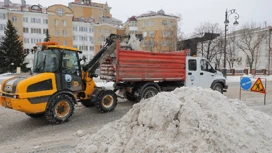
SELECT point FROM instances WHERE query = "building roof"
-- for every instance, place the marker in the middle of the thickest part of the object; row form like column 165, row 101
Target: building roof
column 158, row 13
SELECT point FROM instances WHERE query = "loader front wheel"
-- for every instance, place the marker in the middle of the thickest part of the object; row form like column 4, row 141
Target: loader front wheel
column 60, row 109
column 107, row 101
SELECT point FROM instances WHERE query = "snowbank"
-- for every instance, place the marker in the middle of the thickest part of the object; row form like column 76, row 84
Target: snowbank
column 186, row 120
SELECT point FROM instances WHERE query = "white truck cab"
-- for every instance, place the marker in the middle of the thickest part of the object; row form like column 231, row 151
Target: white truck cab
column 199, row 72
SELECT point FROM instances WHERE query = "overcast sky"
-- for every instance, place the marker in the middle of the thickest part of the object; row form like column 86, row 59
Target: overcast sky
column 194, row 12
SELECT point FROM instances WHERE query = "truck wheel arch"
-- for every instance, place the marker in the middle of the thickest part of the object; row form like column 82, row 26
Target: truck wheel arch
column 149, row 84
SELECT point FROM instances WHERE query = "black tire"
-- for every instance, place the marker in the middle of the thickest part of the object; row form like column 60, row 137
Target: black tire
column 218, row 87
column 87, row 103
column 38, row 115
column 107, row 101
column 60, row 109
column 130, row 97
column 149, row 92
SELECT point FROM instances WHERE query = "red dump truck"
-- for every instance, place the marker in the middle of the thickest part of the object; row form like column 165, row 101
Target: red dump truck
column 141, row 74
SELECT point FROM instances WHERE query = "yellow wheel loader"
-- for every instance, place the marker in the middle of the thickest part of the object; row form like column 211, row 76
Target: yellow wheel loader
column 57, row 83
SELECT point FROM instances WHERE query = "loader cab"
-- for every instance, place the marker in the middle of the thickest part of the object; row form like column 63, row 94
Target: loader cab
column 63, row 62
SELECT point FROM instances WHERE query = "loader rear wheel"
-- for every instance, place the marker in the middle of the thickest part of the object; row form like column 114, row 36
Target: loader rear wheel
column 218, row 87
column 107, row 101
column 149, row 92
column 38, row 115
column 87, row 103
column 60, row 109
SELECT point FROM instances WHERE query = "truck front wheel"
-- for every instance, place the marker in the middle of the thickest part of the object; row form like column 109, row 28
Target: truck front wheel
column 218, row 87
column 107, row 101
column 60, row 109
column 149, row 92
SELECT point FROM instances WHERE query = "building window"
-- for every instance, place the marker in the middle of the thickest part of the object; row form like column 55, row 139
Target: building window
column 64, row 23
column 60, row 11
column 64, row 33
column 56, row 32
column 91, row 39
column 74, row 28
column 100, row 31
column 151, row 33
column 26, row 40
column 44, row 31
column 2, row 27
column 91, row 48
column 25, row 19
column 164, row 43
column 35, row 20
column 36, row 30
column 56, row 22
column 91, row 30
column 2, row 16
column 45, row 21
column 144, row 24
column 25, row 30
column 152, row 23
column 64, row 43
column 133, row 24
column 164, row 22
column 164, row 33
column 105, row 31
column 14, row 18
column 144, row 34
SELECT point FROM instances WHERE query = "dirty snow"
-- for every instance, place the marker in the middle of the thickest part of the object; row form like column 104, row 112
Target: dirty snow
column 186, row 120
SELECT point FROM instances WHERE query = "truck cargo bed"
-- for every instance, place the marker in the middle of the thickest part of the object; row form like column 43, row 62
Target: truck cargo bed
column 133, row 65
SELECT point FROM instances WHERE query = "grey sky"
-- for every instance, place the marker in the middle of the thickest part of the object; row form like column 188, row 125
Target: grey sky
column 194, row 12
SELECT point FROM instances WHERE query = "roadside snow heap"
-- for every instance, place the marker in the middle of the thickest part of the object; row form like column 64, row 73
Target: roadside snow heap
column 187, row 120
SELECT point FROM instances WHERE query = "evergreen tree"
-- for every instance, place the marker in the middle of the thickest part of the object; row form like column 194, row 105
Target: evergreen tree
column 11, row 50
column 47, row 39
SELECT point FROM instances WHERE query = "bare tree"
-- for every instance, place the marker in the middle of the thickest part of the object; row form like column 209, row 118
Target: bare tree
column 250, row 39
column 209, row 48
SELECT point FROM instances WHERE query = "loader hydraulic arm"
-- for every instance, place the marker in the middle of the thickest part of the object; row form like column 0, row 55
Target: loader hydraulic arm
column 108, row 48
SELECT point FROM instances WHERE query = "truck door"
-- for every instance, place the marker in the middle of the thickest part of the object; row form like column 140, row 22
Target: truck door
column 191, row 72
column 207, row 74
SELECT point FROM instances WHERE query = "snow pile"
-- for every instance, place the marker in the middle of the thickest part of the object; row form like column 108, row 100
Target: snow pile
column 186, row 120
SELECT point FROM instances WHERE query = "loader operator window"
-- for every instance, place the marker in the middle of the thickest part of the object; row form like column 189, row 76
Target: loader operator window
column 206, row 66
column 46, row 61
column 192, row 65
column 70, row 63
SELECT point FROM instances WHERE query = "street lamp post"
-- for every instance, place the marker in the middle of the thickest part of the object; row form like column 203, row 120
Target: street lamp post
column 226, row 22
column 269, row 51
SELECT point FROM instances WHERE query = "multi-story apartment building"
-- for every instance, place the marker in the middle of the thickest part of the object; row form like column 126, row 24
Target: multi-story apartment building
column 74, row 25
column 3, row 21
column 60, row 24
column 158, row 29
column 83, row 37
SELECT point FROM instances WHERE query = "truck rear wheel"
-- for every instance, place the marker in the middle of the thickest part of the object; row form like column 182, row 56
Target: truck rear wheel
column 149, row 92
column 38, row 115
column 107, row 101
column 87, row 103
column 60, row 109
column 218, row 87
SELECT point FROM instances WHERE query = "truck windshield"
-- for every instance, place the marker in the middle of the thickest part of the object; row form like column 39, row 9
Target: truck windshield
column 46, row 61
